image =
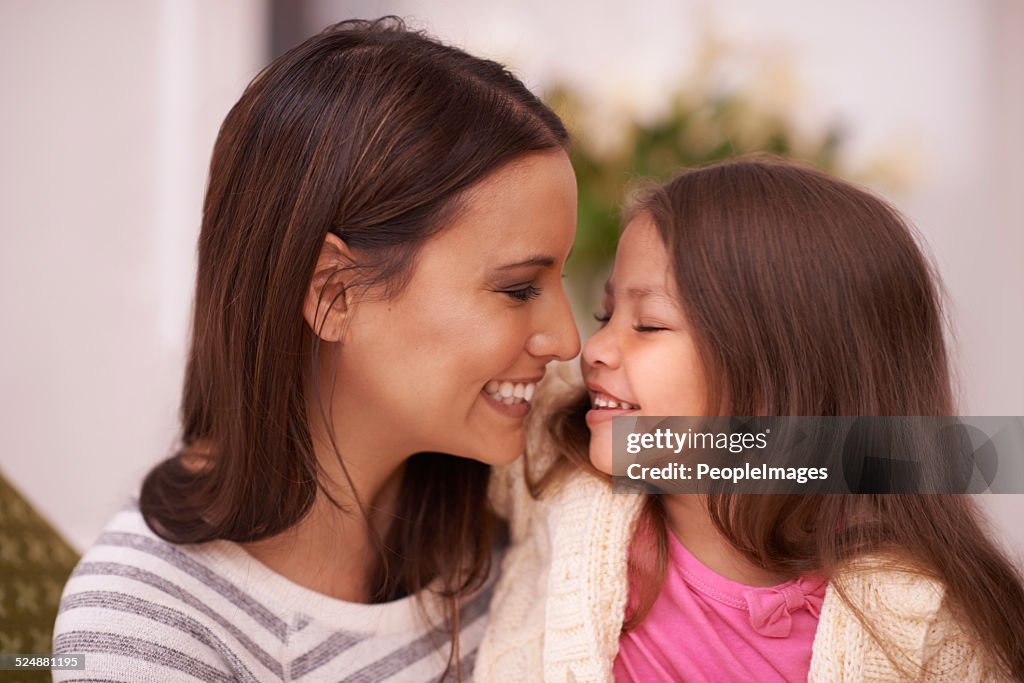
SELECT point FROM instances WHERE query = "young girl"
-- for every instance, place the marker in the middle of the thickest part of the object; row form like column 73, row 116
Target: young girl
column 378, row 293
column 752, row 288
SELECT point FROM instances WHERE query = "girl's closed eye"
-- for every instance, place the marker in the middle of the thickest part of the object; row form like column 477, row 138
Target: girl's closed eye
column 642, row 326
column 649, row 327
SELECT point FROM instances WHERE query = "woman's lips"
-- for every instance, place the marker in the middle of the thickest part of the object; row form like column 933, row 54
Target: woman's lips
column 511, row 397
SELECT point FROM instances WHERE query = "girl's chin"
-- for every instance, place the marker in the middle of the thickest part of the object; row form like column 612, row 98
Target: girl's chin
column 601, row 455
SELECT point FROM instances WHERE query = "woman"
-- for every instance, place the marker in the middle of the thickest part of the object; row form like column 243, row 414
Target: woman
column 378, row 294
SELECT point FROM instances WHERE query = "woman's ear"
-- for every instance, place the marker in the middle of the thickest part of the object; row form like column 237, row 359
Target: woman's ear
column 326, row 306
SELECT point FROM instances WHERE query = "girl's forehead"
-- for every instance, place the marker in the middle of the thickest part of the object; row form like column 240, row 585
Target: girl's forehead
column 642, row 269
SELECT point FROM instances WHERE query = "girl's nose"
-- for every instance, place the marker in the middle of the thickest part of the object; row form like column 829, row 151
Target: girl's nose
column 602, row 348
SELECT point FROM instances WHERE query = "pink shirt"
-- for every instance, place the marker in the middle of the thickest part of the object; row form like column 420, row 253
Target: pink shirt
column 705, row 627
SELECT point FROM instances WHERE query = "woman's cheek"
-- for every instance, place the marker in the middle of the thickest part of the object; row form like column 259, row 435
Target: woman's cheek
column 503, row 340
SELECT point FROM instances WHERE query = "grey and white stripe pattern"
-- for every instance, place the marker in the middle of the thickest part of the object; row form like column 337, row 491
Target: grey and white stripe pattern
column 142, row 609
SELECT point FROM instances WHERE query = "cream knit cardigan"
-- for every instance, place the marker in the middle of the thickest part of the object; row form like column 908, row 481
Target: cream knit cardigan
column 558, row 607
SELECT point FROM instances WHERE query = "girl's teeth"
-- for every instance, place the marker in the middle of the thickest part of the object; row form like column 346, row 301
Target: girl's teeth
column 506, row 389
column 601, row 402
column 519, row 391
column 492, row 387
column 528, row 391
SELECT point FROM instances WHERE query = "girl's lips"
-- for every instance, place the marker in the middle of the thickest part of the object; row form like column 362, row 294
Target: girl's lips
column 598, row 392
column 597, row 416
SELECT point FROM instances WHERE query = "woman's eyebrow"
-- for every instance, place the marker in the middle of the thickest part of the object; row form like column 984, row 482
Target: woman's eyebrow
column 542, row 261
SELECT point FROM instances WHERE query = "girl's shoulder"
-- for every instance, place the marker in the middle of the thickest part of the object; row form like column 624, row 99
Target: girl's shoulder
column 886, row 586
column 559, row 603
column 906, row 610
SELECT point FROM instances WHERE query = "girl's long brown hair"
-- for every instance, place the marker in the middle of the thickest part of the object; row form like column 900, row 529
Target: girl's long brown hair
column 809, row 296
column 373, row 133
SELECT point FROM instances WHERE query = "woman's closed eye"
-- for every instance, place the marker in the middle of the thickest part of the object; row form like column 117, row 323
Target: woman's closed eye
column 522, row 293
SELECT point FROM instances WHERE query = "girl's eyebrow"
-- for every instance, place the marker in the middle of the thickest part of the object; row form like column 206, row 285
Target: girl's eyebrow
column 634, row 292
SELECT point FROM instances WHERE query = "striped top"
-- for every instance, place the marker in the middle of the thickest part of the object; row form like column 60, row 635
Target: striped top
column 142, row 609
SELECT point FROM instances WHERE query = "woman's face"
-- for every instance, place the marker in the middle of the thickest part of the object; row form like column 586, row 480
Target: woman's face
column 482, row 315
column 643, row 360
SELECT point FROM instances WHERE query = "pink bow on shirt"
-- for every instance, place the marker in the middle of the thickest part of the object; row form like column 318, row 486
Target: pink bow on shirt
column 770, row 608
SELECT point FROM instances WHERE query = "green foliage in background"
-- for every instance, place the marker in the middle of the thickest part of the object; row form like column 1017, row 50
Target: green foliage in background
column 35, row 562
column 696, row 130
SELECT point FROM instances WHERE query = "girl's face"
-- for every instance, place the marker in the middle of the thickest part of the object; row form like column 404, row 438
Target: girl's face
column 643, row 360
column 482, row 315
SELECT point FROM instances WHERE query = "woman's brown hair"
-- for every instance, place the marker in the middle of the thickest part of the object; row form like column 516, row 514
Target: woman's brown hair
column 373, row 133
column 809, row 296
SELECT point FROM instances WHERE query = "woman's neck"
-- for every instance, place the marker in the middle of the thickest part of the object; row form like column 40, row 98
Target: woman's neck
column 333, row 551
column 688, row 518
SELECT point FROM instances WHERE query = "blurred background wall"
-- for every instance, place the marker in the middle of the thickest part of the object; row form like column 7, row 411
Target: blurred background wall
column 111, row 108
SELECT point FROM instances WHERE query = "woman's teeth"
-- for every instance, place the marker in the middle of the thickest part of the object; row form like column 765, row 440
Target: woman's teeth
column 600, row 403
column 509, row 393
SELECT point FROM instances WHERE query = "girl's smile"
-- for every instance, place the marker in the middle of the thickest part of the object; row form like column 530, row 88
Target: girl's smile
column 606, row 405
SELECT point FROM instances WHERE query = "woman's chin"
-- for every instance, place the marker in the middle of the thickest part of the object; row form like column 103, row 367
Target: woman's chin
column 504, row 452
column 499, row 459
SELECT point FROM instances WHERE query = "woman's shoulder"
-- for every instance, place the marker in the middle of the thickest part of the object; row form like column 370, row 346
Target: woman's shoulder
column 128, row 554
column 141, row 608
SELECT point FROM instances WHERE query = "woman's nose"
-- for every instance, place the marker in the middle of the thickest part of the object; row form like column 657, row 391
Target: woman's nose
column 557, row 337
